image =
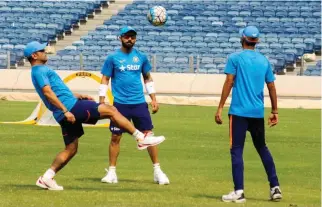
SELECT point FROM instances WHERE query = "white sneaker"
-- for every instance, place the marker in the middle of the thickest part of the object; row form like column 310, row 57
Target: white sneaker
column 275, row 194
column 49, row 184
column 161, row 178
column 149, row 140
column 110, row 177
column 234, row 197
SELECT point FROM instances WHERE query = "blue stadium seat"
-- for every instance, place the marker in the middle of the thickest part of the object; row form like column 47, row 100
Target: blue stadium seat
column 309, row 47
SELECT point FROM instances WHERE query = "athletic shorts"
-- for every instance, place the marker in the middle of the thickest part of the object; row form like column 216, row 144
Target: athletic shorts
column 137, row 113
column 85, row 111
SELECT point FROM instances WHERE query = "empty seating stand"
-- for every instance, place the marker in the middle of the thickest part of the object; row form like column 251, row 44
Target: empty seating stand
column 205, row 30
column 44, row 21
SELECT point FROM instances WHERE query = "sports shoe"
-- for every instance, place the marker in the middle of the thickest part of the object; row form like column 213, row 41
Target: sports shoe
column 49, row 184
column 275, row 194
column 234, row 197
column 161, row 178
column 110, row 177
column 149, row 140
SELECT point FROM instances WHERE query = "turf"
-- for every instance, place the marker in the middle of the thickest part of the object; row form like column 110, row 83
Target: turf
column 195, row 156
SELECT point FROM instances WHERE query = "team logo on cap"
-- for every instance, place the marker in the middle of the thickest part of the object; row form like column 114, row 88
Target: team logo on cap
column 135, row 59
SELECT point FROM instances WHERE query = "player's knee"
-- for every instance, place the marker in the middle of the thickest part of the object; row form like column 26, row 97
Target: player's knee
column 260, row 146
column 108, row 110
column 115, row 140
column 113, row 111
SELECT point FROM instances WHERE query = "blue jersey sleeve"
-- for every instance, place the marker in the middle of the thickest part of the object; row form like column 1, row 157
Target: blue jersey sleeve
column 146, row 66
column 41, row 78
column 230, row 66
column 107, row 69
column 269, row 76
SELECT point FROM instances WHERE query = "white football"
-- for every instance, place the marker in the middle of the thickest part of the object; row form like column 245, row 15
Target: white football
column 157, row 16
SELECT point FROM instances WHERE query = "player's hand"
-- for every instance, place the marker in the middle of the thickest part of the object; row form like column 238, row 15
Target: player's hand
column 218, row 118
column 272, row 120
column 155, row 107
column 70, row 117
column 86, row 97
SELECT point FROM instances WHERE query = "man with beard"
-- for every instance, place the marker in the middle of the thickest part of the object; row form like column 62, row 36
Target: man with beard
column 70, row 111
column 125, row 67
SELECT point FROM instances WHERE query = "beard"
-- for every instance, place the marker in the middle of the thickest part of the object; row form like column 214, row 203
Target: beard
column 128, row 45
column 44, row 61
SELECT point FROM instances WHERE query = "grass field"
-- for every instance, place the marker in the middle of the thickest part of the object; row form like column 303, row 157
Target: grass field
column 195, row 156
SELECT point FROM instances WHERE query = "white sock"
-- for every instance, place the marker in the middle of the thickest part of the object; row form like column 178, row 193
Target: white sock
column 137, row 135
column 156, row 167
column 239, row 192
column 49, row 174
column 112, row 168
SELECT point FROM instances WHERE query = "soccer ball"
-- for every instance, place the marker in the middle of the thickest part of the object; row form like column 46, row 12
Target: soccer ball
column 157, row 16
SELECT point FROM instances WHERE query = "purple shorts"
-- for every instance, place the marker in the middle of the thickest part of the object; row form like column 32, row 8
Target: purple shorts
column 85, row 111
column 138, row 113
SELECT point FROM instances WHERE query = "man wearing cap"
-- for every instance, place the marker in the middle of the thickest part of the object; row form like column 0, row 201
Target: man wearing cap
column 125, row 66
column 247, row 71
column 70, row 111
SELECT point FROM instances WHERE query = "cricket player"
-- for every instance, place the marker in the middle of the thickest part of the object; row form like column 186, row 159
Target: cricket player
column 247, row 71
column 70, row 111
column 125, row 67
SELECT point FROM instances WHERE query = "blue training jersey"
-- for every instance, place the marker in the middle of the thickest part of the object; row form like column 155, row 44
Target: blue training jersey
column 251, row 70
column 125, row 70
column 42, row 76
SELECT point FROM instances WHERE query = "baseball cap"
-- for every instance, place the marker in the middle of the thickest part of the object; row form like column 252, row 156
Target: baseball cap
column 250, row 33
column 33, row 47
column 126, row 29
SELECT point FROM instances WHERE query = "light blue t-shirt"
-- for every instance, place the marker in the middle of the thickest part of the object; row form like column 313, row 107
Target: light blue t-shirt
column 125, row 71
column 42, row 76
column 251, row 70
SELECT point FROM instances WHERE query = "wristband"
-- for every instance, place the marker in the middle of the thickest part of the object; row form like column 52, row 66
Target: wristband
column 103, row 90
column 149, row 86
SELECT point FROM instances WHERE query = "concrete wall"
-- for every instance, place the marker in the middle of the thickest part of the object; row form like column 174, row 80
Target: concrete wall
column 194, row 89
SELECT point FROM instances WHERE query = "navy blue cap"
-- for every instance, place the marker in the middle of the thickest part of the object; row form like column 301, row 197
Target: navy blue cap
column 126, row 29
column 33, row 47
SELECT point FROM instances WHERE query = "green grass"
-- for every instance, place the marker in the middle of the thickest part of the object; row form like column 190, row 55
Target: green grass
column 195, row 156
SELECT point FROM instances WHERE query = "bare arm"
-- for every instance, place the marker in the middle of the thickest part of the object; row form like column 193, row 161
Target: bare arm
column 229, row 82
column 273, row 96
column 148, row 78
column 105, row 80
column 273, row 117
column 53, row 99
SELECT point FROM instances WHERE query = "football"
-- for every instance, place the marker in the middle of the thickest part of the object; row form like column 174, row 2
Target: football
column 157, row 16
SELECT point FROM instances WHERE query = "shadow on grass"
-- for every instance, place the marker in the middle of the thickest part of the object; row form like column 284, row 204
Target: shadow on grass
column 66, row 188
column 98, row 180
column 216, row 197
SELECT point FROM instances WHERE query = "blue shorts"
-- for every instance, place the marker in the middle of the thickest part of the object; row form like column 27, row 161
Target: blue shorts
column 85, row 111
column 138, row 113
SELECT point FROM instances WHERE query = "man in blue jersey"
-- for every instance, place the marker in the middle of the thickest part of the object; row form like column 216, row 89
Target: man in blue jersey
column 247, row 71
column 70, row 111
column 125, row 67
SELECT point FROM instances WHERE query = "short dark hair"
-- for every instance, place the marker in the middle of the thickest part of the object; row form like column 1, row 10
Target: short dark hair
column 251, row 44
column 30, row 59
